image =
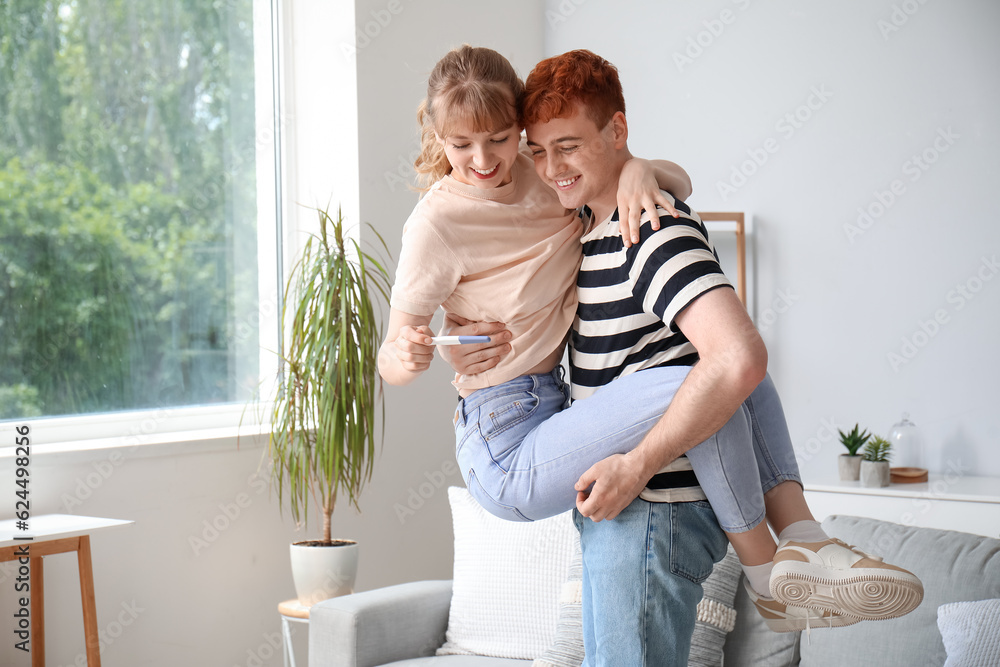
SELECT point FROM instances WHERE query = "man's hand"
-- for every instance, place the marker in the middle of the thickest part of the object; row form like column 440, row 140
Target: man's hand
column 609, row 486
column 472, row 359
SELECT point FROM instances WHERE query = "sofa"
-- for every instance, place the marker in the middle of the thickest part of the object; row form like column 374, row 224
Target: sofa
column 514, row 599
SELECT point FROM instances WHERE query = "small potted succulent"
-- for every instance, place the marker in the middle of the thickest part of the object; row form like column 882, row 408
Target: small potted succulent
column 875, row 463
column 849, row 464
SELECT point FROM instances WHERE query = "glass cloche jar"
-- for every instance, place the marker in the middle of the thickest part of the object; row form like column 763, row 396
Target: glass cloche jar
column 908, row 444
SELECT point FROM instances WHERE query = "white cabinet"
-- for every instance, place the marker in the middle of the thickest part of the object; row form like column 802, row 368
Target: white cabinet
column 948, row 501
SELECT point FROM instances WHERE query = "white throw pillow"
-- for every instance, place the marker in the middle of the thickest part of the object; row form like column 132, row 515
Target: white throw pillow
column 971, row 633
column 507, row 580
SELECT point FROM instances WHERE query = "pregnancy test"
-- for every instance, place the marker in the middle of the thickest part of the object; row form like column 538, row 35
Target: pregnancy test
column 459, row 340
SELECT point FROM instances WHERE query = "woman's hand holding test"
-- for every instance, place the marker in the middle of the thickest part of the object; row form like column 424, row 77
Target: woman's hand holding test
column 414, row 348
column 407, row 350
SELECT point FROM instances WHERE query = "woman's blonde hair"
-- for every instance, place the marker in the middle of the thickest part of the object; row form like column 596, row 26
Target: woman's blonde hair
column 469, row 84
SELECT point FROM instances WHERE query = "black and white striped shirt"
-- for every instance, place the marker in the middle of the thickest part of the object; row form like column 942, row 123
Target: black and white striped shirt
column 628, row 298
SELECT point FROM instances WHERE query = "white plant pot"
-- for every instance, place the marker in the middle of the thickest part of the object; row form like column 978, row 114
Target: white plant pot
column 849, row 466
column 323, row 572
column 875, row 473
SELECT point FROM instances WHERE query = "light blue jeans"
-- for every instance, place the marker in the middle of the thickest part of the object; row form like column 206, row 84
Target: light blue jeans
column 521, row 450
column 642, row 576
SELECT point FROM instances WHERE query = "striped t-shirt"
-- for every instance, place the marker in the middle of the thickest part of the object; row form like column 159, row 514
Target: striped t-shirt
column 628, row 300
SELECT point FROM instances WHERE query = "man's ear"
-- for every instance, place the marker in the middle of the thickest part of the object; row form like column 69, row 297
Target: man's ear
column 619, row 129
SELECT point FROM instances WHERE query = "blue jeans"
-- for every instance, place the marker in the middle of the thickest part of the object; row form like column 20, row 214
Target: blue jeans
column 521, row 449
column 642, row 576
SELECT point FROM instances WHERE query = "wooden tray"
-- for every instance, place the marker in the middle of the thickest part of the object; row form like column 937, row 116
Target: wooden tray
column 907, row 475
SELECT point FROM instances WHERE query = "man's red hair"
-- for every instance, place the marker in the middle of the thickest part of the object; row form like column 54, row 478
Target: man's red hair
column 558, row 83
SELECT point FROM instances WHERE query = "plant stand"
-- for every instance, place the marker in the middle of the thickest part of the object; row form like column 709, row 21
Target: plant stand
column 291, row 611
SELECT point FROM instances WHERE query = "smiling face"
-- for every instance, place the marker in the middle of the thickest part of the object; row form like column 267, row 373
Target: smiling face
column 481, row 159
column 580, row 161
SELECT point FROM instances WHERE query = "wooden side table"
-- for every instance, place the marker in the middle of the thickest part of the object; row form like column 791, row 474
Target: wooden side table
column 291, row 610
column 55, row 534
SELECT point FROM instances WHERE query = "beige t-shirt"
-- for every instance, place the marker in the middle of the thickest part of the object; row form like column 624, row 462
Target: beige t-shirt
column 507, row 254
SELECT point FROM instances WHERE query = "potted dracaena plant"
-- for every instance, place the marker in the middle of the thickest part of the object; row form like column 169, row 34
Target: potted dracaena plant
column 329, row 398
column 875, row 462
column 849, row 464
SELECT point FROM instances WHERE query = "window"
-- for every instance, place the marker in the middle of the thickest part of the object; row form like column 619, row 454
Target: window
column 137, row 190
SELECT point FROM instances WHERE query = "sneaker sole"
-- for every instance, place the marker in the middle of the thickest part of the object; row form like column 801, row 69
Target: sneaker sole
column 870, row 594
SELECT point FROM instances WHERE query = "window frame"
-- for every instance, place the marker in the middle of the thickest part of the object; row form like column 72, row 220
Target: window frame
column 223, row 422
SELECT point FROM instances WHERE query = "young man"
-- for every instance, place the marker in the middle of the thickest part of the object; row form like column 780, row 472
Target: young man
column 642, row 571
column 662, row 303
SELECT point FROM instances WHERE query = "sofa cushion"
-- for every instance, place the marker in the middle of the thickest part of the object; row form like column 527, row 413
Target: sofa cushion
column 953, row 566
column 507, row 579
column 971, row 633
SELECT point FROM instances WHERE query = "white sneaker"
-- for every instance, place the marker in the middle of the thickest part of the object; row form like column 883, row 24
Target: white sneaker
column 836, row 577
column 790, row 618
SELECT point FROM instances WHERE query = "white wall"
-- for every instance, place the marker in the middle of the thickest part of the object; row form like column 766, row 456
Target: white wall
column 709, row 85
